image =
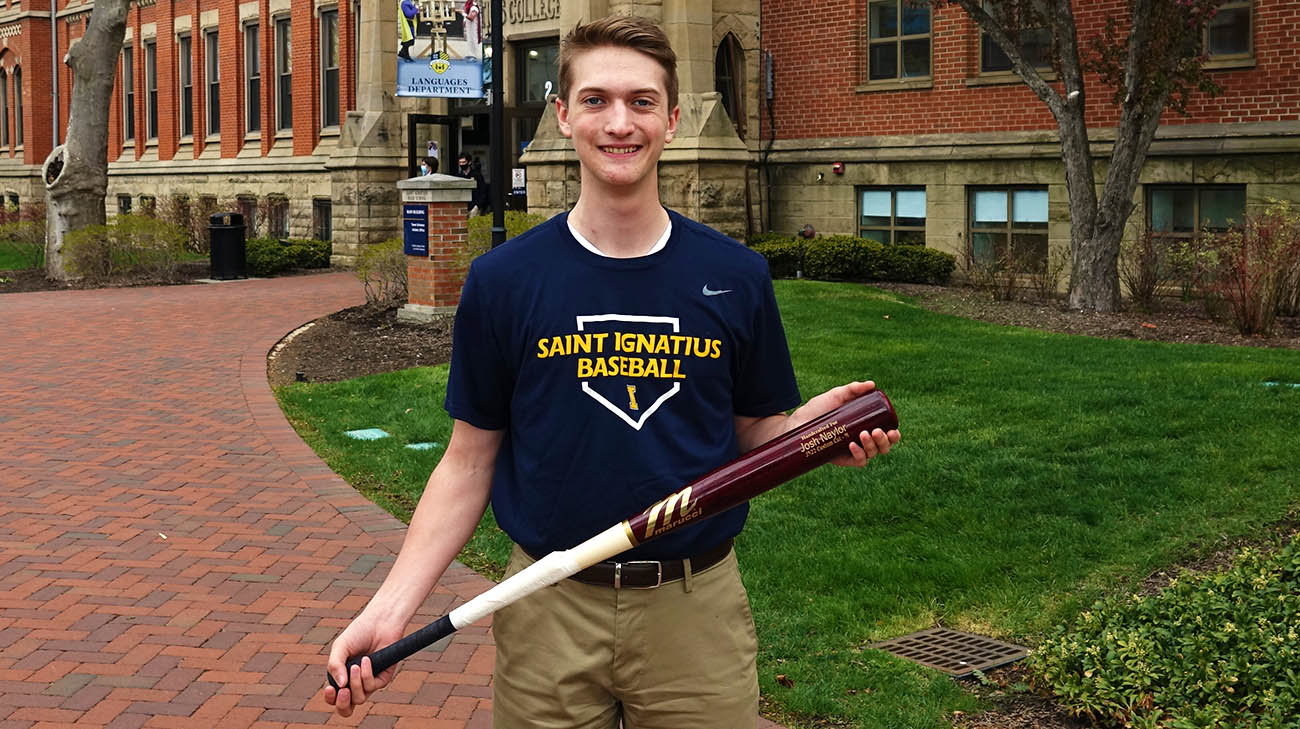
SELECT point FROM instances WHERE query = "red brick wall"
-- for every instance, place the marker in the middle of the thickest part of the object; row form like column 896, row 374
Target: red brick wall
column 436, row 280
column 305, row 29
column 818, row 55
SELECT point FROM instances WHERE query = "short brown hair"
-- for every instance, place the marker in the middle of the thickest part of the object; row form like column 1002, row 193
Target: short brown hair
column 619, row 31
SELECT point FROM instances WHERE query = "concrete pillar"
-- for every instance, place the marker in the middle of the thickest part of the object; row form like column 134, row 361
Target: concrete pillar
column 689, row 27
column 369, row 159
column 436, row 240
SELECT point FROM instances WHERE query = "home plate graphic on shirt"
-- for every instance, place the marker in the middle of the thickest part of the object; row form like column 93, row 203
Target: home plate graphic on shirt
column 635, row 363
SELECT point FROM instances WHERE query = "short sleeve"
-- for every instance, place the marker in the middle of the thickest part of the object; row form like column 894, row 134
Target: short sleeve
column 765, row 383
column 480, row 384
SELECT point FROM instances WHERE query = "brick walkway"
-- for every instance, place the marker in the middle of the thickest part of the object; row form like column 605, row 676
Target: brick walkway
column 171, row 553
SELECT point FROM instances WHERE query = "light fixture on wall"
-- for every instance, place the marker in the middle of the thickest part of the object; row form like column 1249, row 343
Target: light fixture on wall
column 837, row 168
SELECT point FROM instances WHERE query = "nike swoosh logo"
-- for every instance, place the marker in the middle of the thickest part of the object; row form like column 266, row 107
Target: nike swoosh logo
column 710, row 292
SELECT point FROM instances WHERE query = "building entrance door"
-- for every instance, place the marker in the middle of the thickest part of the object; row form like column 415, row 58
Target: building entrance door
column 427, row 132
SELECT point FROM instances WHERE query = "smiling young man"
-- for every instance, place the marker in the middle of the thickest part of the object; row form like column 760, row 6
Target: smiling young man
column 600, row 361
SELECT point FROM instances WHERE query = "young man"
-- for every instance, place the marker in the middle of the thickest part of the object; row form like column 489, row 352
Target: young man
column 602, row 360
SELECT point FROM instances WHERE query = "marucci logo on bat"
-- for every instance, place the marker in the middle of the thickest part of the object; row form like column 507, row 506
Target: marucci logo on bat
column 687, row 511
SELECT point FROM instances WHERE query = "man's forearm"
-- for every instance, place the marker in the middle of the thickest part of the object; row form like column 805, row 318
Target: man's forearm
column 449, row 510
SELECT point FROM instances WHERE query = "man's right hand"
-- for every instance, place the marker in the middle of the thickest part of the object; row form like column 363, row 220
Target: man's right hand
column 361, row 638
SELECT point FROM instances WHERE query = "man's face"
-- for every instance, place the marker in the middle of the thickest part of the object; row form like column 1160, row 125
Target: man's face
column 617, row 115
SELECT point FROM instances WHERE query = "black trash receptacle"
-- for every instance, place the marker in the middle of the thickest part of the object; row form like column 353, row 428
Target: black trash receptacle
column 226, row 246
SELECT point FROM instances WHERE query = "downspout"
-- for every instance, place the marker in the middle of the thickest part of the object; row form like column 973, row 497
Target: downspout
column 54, row 65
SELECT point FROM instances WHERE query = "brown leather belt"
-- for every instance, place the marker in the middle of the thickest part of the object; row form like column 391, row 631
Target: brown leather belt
column 647, row 574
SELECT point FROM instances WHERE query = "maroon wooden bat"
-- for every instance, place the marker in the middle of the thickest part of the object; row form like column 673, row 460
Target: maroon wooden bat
column 762, row 469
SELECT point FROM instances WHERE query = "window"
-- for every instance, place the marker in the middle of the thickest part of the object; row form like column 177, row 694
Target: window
column 18, row 107
column 329, row 68
column 729, row 80
column 248, row 208
column 123, row 204
column 1008, row 228
column 1184, row 211
column 278, row 216
column 151, row 88
column 283, row 75
column 1228, row 32
column 898, row 40
column 322, row 219
column 252, row 78
column 185, row 57
column 149, row 205
column 1035, row 46
column 212, row 59
column 4, row 109
column 128, row 94
column 893, row 215
column 13, row 200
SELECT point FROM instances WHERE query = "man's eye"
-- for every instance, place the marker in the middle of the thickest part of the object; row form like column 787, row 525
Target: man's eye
column 592, row 101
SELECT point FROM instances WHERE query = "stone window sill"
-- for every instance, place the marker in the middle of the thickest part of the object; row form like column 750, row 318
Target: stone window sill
column 911, row 84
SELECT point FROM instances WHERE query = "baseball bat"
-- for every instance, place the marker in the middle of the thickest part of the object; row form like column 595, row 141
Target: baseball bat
column 769, row 465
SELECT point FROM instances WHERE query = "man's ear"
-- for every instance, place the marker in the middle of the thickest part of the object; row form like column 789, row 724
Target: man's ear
column 562, row 116
column 673, row 116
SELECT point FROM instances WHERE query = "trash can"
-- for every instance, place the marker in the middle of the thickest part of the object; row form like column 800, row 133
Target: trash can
column 226, row 246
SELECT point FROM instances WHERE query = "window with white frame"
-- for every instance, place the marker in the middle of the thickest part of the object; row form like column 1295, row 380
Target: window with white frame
column 212, row 75
column 898, row 40
column 1008, row 228
column 128, row 94
column 185, row 67
column 283, row 75
column 329, row 67
column 252, row 78
column 892, row 214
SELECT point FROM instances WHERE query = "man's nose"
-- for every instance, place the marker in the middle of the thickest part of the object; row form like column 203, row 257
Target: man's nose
column 618, row 121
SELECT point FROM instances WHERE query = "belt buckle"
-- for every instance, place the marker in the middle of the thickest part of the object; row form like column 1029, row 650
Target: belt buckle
column 618, row 574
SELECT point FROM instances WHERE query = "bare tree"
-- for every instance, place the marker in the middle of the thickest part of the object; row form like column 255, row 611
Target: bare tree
column 1151, row 59
column 76, row 172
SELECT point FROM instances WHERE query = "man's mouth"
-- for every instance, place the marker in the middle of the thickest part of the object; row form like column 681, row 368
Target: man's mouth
column 620, row 150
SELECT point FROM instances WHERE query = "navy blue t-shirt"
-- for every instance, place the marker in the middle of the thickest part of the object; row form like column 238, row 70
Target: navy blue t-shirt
column 616, row 380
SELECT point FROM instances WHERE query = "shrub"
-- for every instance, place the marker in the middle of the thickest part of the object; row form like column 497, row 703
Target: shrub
column 784, row 255
column 1211, row 650
column 758, row 239
column 1146, row 265
column 480, row 231
column 382, row 270
column 909, row 263
column 1249, row 267
column 129, row 247
column 22, row 236
column 269, row 256
column 842, row 258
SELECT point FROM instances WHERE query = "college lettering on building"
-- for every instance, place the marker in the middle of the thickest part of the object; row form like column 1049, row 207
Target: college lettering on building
column 528, row 11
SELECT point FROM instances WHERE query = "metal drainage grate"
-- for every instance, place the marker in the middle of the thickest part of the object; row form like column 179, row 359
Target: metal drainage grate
column 953, row 652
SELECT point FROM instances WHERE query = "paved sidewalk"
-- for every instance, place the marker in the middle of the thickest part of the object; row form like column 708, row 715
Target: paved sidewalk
column 171, row 553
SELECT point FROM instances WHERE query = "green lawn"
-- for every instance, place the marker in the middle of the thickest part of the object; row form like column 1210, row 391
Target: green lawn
column 1037, row 472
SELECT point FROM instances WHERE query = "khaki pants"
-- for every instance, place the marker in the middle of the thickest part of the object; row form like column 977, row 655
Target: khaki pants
column 680, row 656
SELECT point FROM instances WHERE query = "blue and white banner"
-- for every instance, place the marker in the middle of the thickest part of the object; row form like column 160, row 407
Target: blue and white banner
column 439, row 77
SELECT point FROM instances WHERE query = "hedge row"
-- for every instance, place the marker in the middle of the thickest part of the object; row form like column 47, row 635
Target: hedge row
column 269, row 256
column 846, row 258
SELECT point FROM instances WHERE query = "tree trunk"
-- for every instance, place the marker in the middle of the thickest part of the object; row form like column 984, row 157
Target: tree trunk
column 76, row 172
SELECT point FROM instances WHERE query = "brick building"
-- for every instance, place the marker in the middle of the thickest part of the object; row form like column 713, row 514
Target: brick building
column 937, row 140
column 283, row 109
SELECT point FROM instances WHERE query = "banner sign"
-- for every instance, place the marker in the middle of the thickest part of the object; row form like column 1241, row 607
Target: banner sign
column 415, row 230
column 440, row 49
column 454, row 78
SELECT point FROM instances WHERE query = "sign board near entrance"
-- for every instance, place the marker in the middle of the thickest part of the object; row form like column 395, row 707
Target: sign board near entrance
column 453, row 78
column 415, row 230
